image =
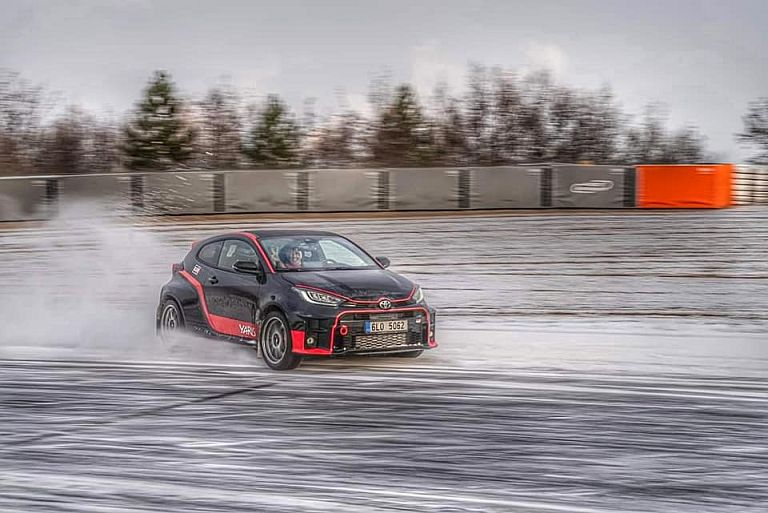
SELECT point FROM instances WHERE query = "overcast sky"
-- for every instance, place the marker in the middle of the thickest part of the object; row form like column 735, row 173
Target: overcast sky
column 704, row 58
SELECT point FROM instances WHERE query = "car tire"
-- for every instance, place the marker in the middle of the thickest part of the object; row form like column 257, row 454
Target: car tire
column 171, row 321
column 275, row 343
column 410, row 354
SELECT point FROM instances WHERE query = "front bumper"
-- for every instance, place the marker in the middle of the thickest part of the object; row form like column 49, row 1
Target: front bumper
column 344, row 333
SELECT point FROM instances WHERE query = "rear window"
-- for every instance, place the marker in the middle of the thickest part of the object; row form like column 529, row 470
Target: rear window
column 209, row 254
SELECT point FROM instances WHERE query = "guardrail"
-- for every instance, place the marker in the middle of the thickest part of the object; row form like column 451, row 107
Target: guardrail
column 360, row 190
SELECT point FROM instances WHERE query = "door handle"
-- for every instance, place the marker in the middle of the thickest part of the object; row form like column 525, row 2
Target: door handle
column 213, row 280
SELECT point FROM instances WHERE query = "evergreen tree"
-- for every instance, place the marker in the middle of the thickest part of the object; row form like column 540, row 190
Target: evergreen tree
column 402, row 137
column 158, row 137
column 274, row 138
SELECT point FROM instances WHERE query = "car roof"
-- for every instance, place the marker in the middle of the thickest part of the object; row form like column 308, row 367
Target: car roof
column 289, row 233
column 267, row 233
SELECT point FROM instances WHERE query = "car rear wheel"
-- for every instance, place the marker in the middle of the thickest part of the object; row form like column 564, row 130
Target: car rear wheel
column 171, row 321
column 275, row 343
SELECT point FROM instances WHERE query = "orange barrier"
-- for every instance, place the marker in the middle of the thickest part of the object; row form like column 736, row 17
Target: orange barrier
column 684, row 186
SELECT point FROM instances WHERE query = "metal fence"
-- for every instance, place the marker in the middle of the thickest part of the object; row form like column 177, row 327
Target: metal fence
column 338, row 190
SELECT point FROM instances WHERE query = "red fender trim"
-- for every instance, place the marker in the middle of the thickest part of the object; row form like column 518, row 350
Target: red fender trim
column 297, row 345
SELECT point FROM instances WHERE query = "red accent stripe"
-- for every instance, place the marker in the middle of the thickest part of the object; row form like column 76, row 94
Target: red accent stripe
column 256, row 242
column 224, row 325
column 357, row 301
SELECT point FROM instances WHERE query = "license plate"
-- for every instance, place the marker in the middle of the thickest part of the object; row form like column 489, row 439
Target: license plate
column 385, row 326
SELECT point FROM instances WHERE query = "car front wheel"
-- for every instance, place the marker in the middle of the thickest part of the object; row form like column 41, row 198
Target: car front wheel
column 275, row 343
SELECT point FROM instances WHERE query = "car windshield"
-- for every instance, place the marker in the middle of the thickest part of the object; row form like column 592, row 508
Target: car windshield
column 315, row 253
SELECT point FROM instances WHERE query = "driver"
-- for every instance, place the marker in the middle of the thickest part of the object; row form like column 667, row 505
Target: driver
column 291, row 257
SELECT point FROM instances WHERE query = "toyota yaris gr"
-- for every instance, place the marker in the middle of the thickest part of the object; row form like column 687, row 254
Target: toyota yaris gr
column 295, row 293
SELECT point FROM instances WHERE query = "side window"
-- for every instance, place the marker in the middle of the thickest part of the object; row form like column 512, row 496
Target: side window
column 236, row 251
column 209, row 254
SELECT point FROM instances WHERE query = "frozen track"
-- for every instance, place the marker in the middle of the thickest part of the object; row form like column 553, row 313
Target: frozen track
column 119, row 437
column 621, row 366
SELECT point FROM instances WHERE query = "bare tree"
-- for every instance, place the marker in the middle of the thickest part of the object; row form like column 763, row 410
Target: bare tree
column 220, row 130
column 755, row 132
column 651, row 143
column 22, row 106
column 448, row 132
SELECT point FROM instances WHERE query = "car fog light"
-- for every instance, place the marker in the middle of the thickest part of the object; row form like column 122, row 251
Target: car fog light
column 310, row 341
column 343, row 331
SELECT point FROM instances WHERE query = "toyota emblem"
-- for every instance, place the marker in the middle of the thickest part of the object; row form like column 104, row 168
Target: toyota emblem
column 385, row 304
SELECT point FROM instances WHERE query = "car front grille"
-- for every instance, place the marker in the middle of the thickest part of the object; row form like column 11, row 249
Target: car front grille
column 353, row 338
column 383, row 341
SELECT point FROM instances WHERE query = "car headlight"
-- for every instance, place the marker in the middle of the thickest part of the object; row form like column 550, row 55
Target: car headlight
column 319, row 298
column 418, row 296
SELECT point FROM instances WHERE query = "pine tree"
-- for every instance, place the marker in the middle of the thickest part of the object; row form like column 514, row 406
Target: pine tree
column 274, row 138
column 402, row 136
column 158, row 137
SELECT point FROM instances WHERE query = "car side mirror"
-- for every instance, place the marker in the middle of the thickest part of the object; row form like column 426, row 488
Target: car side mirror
column 248, row 267
column 384, row 261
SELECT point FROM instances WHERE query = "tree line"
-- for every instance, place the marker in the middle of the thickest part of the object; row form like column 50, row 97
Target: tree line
column 501, row 118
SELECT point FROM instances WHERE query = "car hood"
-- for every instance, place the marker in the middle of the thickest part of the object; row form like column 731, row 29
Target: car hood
column 361, row 284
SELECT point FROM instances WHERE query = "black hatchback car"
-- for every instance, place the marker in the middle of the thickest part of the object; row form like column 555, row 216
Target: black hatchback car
column 295, row 293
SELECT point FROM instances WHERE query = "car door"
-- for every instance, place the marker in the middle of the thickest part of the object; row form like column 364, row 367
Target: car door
column 236, row 295
column 204, row 273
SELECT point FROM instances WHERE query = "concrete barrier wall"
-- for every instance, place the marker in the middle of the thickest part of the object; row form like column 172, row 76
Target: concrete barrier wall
column 505, row 187
column 24, row 199
column 340, row 190
column 261, row 191
column 111, row 192
column 423, row 189
column 590, row 187
column 363, row 190
column 178, row 193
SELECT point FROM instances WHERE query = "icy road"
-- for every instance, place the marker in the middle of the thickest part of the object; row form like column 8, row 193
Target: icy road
column 591, row 362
